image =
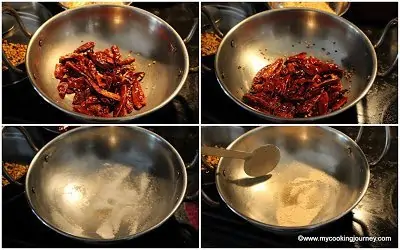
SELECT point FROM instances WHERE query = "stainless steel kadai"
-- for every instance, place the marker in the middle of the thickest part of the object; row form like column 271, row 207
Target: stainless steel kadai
column 322, row 175
column 131, row 29
column 283, row 32
column 105, row 184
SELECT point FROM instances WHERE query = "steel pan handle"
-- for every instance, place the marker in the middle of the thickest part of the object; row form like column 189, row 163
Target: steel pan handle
column 388, row 139
column 213, row 22
column 206, row 68
column 192, row 165
column 192, row 31
column 189, row 37
column 31, row 143
column 204, row 197
column 379, row 43
column 13, row 13
column 207, row 13
column 208, row 200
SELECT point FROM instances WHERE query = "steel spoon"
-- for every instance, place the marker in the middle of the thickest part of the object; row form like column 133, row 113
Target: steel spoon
column 257, row 163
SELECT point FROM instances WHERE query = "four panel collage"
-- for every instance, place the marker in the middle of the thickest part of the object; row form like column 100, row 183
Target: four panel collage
column 199, row 124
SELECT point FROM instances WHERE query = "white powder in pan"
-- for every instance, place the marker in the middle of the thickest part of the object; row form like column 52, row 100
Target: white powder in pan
column 124, row 202
column 114, row 201
column 65, row 224
column 303, row 199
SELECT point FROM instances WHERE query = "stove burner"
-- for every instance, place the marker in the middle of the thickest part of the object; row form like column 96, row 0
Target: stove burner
column 35, row 234
column 388, row 116
column 394, row 198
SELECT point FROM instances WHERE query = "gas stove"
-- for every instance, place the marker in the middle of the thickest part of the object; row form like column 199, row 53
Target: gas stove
column 379, row 106
column 22, row 104
column 375, row 215
column 23, row 229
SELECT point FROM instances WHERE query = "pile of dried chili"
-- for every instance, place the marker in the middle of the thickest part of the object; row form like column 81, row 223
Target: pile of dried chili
column 298, row 86
column 103, row 83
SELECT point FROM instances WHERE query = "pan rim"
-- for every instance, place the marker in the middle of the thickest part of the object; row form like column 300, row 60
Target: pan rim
column 129, row 237
column 105, row 119
column 240, row 103
column 298, row 228
column 337, row 14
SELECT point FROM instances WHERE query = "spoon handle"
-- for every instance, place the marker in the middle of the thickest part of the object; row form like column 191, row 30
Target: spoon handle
column 221, row 152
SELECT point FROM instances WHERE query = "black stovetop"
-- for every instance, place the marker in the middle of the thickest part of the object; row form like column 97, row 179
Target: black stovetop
column 21, row 103
column 375, row 215
column 23, row 229
column 380, row 105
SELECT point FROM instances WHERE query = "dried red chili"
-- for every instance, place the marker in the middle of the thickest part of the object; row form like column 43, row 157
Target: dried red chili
column 298, row 86
column 104, row 84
